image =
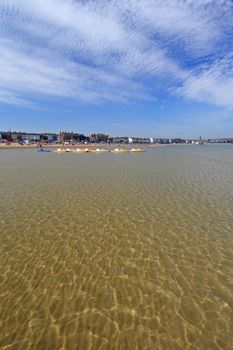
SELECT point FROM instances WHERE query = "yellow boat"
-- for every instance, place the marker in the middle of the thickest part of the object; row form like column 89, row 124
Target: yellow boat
column 139, row 150
column 98, row 150
column 119, row 150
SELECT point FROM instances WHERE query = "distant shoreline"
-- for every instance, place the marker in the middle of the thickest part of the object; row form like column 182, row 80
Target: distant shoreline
column 15, row 146
column 23, row 147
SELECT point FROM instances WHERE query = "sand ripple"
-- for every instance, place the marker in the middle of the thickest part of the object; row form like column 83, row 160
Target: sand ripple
column 109, row 252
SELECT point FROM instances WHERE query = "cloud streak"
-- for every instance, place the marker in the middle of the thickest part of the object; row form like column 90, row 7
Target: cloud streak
column 97, row 51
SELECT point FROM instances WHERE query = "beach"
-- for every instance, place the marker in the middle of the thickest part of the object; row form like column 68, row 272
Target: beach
column 16, row 146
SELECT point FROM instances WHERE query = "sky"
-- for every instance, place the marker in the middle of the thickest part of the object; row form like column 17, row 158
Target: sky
column 155, row 68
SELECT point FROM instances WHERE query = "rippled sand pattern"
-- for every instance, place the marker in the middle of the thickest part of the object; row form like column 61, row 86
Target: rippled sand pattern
column 131, row 251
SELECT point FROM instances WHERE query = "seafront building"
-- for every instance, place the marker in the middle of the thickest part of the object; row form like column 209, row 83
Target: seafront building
column 24, row 137
column 65, row 137
column 126, row 140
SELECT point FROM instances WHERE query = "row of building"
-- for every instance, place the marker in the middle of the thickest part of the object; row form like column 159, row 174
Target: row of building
column 72, row 138
column 102, row 138
column 67, row 137
column 24, row 137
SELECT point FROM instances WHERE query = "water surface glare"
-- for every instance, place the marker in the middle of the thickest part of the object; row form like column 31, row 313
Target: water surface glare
column 117, row 251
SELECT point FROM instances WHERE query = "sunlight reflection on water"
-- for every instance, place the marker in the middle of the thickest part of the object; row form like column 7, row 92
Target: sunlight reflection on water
column 130, row 251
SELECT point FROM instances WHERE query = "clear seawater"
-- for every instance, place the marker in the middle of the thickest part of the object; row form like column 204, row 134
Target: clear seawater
column 117, row 251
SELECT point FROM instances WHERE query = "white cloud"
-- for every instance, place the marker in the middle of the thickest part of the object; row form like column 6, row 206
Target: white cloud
column 211, row 83
column 114, row 50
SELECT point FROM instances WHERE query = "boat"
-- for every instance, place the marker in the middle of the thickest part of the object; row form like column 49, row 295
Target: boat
column 139, row 150
column 43, row 150
column 98, row 150
column 119, row 150
column 135, row 150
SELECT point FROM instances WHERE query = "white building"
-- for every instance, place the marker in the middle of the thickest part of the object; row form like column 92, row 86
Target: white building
column 30, row 138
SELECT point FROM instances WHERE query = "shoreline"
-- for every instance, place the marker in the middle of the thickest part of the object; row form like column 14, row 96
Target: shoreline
column 15, row 146
column 60, row 145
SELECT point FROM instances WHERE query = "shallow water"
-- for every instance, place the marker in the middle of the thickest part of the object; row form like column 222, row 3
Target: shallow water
column 117, row 251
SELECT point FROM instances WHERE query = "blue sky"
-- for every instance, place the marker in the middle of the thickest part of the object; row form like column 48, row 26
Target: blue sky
column 161, row 68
